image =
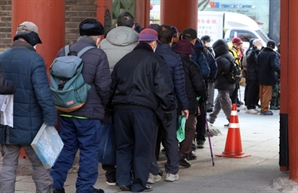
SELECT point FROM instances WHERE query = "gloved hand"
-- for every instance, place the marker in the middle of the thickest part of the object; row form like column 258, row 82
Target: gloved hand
column 108, row 114
column 168, row 118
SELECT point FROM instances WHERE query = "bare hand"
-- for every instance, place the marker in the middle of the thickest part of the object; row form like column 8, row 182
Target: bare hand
column 185, row 112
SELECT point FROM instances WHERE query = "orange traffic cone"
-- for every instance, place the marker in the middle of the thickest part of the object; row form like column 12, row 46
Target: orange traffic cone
column 233, row 147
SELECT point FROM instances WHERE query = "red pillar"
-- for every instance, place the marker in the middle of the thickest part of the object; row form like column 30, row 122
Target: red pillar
column 182, row 14
column 49, row 16
column 289, row 69
column 102, row 6
column 142, row 13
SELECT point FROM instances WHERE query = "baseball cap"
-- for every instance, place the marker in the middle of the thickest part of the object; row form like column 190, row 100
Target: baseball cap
column 147, row 35
column 190, row 33
column 206, row 38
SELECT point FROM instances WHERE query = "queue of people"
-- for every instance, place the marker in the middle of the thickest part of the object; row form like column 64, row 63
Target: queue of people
column 142, row 80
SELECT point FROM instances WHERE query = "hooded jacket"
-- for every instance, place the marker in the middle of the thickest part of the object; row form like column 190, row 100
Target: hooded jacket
column 119, row 41
column 96, row 74
column 33, row 103
column 223, row 58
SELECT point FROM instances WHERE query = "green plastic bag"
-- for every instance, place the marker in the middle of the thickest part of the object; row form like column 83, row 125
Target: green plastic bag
column 181, row 128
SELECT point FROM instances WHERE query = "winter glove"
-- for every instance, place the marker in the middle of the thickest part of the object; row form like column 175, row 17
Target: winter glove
column 168, row 118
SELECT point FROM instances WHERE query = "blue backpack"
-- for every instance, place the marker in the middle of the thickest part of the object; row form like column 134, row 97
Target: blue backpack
column 67, row 84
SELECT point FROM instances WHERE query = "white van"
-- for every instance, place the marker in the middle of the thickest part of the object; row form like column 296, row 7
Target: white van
column 227, row 25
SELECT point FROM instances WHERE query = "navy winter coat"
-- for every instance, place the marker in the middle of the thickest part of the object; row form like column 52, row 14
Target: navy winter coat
column 33, row 103
column 175, row 68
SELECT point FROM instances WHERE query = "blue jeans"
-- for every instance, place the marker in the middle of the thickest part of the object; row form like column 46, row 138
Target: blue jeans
column 82, row 134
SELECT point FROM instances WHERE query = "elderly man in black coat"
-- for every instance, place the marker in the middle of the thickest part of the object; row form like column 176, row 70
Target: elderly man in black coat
column 268, row 64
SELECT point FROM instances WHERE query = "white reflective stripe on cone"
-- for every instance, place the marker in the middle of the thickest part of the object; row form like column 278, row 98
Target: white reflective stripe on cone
column 234, row 125
column 234, row 113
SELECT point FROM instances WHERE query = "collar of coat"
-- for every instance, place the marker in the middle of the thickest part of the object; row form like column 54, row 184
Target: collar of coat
column 22, row 44
column 143, row 46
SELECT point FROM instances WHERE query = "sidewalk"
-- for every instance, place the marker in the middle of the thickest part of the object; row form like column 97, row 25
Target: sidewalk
column 257, row 173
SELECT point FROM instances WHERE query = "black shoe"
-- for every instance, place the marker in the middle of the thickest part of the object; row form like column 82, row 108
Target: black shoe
column 273, row 107
column 160, row 172
column 200, row 143
column 266, row 113
column 184, row 162
column 193, row 147
column 59, row 191
column 191, row 156
column 226, row 125
column 209, row 110
column 124, row 188
column 98, row 191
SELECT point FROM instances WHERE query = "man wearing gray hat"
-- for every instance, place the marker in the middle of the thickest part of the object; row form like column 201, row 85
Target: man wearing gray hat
column 81, row 129
column 33, row 105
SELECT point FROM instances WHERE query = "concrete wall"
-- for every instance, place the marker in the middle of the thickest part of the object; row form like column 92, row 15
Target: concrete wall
column 75, row 12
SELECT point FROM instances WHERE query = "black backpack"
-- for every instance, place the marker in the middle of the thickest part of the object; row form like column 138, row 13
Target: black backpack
column 234, row 75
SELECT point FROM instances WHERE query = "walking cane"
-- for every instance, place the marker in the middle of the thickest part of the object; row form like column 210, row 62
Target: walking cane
column 208, row 133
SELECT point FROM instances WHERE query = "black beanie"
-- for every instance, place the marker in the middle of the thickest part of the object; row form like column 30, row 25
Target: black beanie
column 91, row 27
column 271, row 44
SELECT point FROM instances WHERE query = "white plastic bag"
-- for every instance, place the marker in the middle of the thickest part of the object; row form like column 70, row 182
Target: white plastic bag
column 47, row 144
column 6, row 110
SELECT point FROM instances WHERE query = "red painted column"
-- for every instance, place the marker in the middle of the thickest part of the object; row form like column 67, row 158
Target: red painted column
column 49, row 16
column 142, row 13
column 182, row 14
column 102, row 6
column 291, row 48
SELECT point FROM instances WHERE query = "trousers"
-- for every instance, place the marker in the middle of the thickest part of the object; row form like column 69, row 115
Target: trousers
column 8, row 166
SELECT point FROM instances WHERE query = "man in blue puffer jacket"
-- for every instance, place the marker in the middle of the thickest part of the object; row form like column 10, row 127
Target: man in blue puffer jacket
column 33, row 106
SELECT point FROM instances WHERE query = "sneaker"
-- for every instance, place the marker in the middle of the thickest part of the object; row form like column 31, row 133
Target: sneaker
column 226, row 125
column 184, row 162
column 209, row 110
column 111, row 183
column 251, row 111
column 193, row 147
column 266, row 113
column 172, row 177
column 191, row 156
column 153, row 178
column 147, row 189
column 200, row 144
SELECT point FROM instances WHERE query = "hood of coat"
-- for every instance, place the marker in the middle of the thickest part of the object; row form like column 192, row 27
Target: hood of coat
column 122, row 36
column 220, row 47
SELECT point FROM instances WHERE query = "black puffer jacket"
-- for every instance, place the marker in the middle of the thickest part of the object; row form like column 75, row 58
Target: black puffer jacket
column 268, row 64
column 252, row 64
column 194, row 82
column 6, row 86
column 223, row 58
column 141, row 78
column 97, row 74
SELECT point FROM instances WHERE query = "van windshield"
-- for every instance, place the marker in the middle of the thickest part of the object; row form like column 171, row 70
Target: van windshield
column 262, row 35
